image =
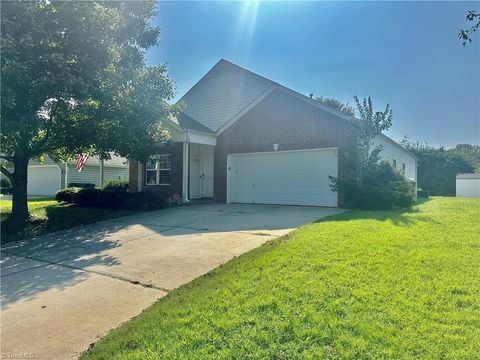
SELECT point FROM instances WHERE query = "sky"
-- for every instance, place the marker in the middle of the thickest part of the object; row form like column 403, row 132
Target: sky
column 405, row 54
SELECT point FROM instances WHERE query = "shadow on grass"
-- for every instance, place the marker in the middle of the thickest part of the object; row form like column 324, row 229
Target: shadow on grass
column 55, row 217
column 399, row 217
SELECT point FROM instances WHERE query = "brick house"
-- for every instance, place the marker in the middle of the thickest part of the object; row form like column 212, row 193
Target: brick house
column 246, row 139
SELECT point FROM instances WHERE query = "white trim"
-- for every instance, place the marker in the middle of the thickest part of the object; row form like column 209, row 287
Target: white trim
column 185, row 172
column 158, row 169
column 242, row 112
column 60, row 175
column 43, row 165
column 284, row 151
column 269, row 152
column 201, row 137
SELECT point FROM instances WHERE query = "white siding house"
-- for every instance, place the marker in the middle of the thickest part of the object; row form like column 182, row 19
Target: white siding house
column 49, row 177
column 398, row 156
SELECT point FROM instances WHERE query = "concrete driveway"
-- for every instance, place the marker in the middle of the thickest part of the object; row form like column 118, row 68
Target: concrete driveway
column 62, row 292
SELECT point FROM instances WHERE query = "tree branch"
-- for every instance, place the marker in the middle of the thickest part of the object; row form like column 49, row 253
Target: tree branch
column 7, row 173
column 6, row 157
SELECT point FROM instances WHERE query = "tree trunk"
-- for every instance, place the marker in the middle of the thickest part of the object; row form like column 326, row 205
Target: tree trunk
column 19, row 191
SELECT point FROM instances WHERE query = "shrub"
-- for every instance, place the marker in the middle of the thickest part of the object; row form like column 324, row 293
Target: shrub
column 67, row 195
column 116, row 185
column 111, row 199
column 145, row 201
column 86, row 197
column 380, row 187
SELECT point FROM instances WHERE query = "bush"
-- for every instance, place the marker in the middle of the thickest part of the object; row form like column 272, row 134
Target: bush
column 77, row 196
column 67, row 195
column 380, row 187
column 86, row 197
column 111, row 199
column 116, row 185
column 145, row 200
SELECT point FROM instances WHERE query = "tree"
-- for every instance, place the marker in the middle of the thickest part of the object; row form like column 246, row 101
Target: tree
column 471, row 153
column 376, row 184
column 465, row 36
column 437, row 168
column 337, row 105
column 370, row 124
column 74, row 80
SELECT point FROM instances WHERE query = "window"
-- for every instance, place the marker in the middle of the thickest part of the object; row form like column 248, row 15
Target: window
column 395, row 163
column 403, row 166
column 157, row 170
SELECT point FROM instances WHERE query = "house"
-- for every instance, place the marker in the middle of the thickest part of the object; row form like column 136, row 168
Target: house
column 243, row 138
column 49, row 177
column 468, row 185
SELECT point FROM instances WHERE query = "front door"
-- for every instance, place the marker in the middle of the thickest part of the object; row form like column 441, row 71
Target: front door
column 206, row 175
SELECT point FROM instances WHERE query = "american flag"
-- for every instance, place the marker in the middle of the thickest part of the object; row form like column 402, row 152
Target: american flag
column 81, row 160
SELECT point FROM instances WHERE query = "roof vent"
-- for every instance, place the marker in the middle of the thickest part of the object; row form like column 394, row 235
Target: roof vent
column 311, row 96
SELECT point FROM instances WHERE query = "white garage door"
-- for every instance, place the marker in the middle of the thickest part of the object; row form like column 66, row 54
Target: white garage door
column 43, row 180
column 283, row 177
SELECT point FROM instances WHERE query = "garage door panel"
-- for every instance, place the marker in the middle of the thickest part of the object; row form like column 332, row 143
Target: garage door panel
column 284, row 177
column 43, row 180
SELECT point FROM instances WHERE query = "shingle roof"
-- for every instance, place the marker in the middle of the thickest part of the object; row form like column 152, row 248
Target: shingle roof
column 187, row 122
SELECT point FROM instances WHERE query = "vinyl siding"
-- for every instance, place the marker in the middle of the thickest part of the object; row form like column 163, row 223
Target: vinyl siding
column 223, row 93
column 91, row 174
column 393, row 151
column 113, row 173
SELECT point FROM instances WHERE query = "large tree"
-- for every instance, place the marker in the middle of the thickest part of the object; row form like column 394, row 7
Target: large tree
column 74, row 80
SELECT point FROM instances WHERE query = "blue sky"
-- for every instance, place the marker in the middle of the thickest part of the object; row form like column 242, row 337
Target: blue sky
column 402, row 53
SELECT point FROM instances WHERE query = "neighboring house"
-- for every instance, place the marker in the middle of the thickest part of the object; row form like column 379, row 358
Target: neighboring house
column 468, row 185
column 49, row 177
column 243, row 138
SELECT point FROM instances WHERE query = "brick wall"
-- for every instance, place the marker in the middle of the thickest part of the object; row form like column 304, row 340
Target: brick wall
column 133, row 175
column 176, row 173
column 293, row 124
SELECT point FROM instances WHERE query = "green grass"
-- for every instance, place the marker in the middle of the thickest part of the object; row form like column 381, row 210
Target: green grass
column 361, row 285
column 48, row 216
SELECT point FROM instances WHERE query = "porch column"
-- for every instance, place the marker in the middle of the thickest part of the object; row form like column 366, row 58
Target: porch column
column 186, row 148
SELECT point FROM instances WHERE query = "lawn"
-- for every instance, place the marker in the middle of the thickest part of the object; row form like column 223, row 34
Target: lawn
column 48, row 216
column 360, row 285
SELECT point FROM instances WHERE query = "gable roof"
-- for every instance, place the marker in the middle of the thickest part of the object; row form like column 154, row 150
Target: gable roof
column 223, row 92
column 228, row 90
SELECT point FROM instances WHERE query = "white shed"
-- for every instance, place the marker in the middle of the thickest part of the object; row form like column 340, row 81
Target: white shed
column 468, row 185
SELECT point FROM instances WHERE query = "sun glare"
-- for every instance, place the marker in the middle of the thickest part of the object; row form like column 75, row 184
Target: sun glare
column 246, row 28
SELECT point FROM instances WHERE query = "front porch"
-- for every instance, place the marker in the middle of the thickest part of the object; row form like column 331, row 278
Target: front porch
column 184, row 169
